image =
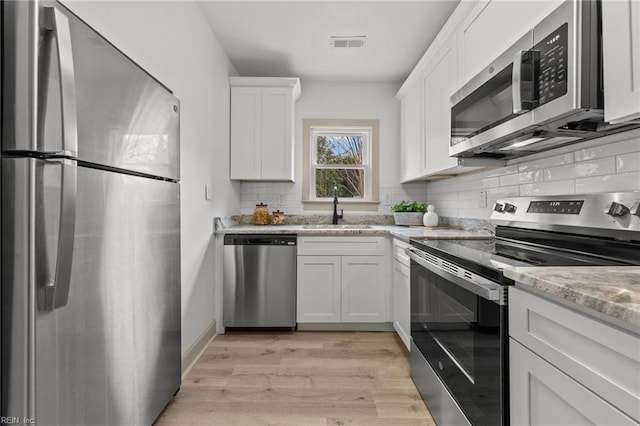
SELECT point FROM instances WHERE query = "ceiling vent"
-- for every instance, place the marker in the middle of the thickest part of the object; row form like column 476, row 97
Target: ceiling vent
column 351, row 41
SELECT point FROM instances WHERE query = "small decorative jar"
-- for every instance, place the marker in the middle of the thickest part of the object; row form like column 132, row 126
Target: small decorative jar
column 261, row 214
column 277, row 218
column 430, row 218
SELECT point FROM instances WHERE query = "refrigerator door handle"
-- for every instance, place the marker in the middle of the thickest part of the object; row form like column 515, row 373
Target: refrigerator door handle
column 57, row 26
column 55, row 292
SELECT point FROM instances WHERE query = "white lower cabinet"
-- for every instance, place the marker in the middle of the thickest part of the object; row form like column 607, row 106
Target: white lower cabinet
column 401, row 292
column 319, row 288
column 363, row 289
column 401, row 300
column 341, row 279
column 567, row 368
column 543, row 395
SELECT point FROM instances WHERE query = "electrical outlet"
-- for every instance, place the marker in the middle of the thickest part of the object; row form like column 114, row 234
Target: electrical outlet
column 283, row 200
column 387, row 200
column 483, row 199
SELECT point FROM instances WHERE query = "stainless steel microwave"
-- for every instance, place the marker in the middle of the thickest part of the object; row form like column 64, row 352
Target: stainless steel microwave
column 545, row 91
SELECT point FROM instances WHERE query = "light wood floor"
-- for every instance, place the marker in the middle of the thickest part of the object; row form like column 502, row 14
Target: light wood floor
column 301, row 379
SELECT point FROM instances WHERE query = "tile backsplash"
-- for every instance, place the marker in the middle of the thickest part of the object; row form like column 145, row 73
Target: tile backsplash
column 608, row 164
column 288, row 197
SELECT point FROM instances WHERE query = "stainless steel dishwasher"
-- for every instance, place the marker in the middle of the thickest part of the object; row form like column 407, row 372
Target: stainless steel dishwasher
column 259, row 287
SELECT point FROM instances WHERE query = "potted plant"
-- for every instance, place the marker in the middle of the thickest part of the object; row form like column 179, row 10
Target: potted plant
column 407, row 213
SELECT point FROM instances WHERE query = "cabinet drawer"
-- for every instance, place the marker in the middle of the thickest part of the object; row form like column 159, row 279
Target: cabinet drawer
column 398, row 251
column 543, row 395
column 359, row 246
column 602, row 358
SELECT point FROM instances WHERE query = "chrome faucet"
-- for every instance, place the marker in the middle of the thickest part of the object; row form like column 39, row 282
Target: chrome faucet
column 336, row 216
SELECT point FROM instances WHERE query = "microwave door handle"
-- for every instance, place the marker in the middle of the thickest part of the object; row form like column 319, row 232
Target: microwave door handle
column 516, row 83
column 58, row 24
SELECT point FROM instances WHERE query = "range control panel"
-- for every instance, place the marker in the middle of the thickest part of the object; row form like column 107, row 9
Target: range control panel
column 556, row 207
column 619, row 211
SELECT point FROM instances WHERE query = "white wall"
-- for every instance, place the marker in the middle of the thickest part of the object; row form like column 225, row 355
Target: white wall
column 605, row 165
column 345, row 100
column 172, row 41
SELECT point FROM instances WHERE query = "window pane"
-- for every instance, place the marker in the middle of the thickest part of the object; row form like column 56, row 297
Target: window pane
column 350, row 183
column 339, row 149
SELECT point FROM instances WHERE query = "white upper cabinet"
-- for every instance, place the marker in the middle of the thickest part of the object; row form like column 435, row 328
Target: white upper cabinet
column 621, row 49
column 439, row 84
column 492, row 26
column 411, row 137
column 245, row 132
column 262, row 127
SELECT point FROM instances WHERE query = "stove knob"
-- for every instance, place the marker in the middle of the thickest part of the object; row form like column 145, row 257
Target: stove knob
column 635, row 208
column 616, row 209
column 498, row 207
column 509, row 208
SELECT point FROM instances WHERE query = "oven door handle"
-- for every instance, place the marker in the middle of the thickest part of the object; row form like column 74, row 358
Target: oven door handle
column 479, row 286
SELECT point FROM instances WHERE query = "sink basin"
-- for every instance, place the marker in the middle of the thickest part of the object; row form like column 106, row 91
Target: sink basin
column 329, row 226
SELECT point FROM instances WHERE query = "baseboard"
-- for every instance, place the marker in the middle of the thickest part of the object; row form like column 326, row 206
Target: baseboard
column 197, row 348
column 345, row 326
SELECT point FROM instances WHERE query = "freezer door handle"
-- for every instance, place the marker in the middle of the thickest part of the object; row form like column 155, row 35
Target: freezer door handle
column 54, row 288
column 56, row 27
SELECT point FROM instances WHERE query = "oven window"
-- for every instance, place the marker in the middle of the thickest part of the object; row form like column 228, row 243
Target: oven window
column 488, row 106
column 461, row 335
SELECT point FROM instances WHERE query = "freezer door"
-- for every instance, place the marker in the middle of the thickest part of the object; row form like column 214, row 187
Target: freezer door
column 112, row 354
column 92, row 102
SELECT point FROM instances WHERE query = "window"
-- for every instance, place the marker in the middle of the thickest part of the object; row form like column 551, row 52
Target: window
column 341, row 154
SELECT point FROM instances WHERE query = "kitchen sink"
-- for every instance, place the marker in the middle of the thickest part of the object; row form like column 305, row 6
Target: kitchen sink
column 329, row 226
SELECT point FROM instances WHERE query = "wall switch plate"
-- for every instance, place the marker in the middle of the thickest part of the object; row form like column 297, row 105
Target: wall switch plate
column 283, row 200
column 483, row 199
column 207, row 192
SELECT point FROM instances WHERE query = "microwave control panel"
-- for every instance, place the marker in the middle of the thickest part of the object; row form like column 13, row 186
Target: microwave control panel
column 552, row 70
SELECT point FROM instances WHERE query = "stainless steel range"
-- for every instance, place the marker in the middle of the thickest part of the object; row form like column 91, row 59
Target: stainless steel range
column 459, row 295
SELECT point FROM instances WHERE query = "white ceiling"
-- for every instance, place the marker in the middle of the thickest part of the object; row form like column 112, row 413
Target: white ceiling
column 291, row 38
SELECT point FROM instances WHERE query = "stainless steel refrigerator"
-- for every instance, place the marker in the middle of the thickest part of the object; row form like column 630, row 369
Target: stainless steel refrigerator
column 90, row 296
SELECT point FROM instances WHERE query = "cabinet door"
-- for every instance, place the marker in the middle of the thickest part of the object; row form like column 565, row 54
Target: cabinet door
column 439, row 84
column 318, row 289
column 493, row 26
column 245, row 133
column 543, row 395
column 621, row 49
column 401, row 314
column 363, row 289
column 603, row 358
column 411, row 137
column 277, row 134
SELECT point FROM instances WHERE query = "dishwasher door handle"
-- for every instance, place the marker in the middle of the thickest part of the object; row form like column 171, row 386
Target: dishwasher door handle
column 260, row 241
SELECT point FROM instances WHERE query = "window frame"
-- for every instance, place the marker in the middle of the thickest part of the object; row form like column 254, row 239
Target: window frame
column 315, row 127
column 314, row 166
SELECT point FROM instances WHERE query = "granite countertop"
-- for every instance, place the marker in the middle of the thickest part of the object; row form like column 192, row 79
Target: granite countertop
column 401, row 232
column 611, row 291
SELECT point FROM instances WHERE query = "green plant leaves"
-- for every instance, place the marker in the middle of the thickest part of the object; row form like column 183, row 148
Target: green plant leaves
column 409, row 207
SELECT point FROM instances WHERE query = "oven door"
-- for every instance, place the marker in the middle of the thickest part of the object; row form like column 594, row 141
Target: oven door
column 461, row 339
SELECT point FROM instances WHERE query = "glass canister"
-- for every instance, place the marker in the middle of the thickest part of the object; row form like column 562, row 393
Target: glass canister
column 277, row 218
column 261, row 214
